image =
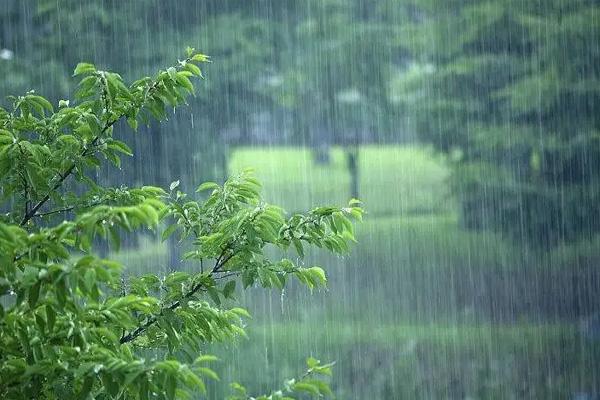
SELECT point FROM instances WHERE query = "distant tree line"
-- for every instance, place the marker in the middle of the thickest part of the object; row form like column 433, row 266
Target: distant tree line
column 512, row 94
column 507, row 89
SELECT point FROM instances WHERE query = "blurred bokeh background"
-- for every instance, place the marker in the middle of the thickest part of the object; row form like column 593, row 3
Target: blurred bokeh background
column 469, row 128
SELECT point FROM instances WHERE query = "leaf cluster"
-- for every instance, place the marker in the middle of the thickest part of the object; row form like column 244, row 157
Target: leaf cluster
column 74, row 325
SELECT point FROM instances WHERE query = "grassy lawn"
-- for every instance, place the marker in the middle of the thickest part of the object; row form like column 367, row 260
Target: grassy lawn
column 423, row 361
column 393, row 180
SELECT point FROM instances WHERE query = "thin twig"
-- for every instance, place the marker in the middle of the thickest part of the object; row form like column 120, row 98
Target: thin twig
column 154, row 319
column 227, row 275
column 67, row 209
column 60, row 210
column 63, row 176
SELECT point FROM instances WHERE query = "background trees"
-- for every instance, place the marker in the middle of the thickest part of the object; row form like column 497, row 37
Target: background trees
column 277, row 82
column 511, row 92
column 493, row 89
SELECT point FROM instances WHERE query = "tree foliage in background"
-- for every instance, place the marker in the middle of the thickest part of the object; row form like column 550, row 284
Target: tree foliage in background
column 507, row 88
column 510, row 89
column 74, row 325
column 266, row 90
column 116, row 35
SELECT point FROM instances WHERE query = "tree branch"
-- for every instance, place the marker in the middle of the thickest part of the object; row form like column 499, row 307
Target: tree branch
column 63, row 176
column 60, row 210
column 66, row 209
column 154, row 319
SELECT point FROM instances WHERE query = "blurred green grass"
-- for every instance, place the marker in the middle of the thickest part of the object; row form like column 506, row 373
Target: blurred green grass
column 393, row 180
column 424, row 361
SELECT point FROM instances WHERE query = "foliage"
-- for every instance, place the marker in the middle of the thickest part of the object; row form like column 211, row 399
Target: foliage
column 477, row 78
column 262, row 48
column 74, row 325
column 510, row 91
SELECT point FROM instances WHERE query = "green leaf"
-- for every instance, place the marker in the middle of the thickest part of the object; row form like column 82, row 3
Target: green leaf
column 229, row 289
column 318, row 274
column 89, row 279
column 115, row 238
column 193, row 69
column 133, row 123
column 172, row 73
column 42, row 102
column 205, row 358
column 214, row 295
column 306, row 387
column 185, row 82
column 312, row 362
column 241, row 312
column 299, row 247
column 120, row 147
column 177, row 278
column 208, row 373
column 248, row 278
column 200, row 58
column 50, row 317
column 171, row 386
column 84, row 68
column 86, row 388
column 169, row 231
column 34, row 294
column 207, row 186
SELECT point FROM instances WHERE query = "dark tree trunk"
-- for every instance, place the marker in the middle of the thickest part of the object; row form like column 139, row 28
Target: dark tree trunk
column 352, row 162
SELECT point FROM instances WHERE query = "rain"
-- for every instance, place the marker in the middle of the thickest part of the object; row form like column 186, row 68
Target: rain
column 468, row 129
